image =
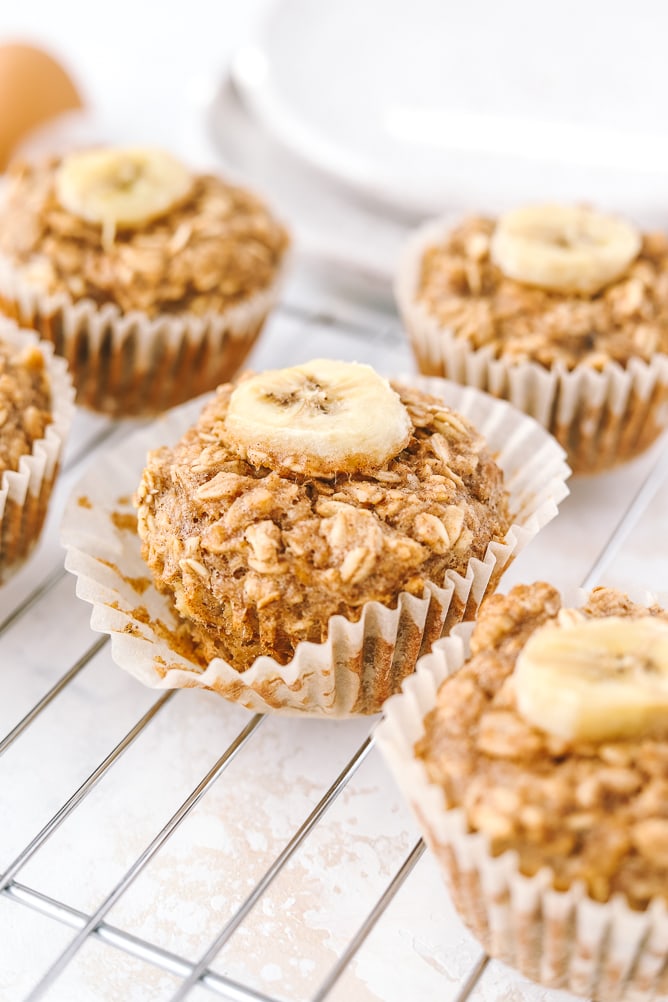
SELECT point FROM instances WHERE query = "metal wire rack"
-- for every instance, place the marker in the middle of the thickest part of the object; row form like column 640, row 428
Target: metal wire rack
column 172, row 847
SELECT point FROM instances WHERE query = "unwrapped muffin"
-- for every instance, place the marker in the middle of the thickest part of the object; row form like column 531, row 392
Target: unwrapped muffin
column 536, row 758
column 153, row 281
column 307, row 493
column 281, row 583
column 561, row 310
column 36, row 409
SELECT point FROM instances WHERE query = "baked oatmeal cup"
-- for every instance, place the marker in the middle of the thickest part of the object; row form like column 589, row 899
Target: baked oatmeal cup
column 36, row 409
column 533, row 748
column 152, row 281
column 311, row 532
column 561, row 310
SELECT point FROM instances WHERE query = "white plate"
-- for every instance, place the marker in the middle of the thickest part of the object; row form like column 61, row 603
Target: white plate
column 342, row 236
column 425, row 104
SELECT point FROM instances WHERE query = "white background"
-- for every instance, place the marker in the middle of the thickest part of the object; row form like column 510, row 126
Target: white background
column 143, row 66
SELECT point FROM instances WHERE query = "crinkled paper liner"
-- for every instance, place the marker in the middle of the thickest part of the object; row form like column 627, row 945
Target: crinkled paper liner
column 561, row 939
column 360, row 664
column 24, row 493
column 602, row 418
column 130, row 364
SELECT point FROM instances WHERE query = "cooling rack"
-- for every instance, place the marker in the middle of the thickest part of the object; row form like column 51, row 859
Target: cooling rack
column 163, row 847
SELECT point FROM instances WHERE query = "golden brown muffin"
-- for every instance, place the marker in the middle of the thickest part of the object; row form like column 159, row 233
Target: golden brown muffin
column 591, row 364
column 216, row 524
column 25, row 402
column 259, row 559
column 463, row 287
column 591, row 811
column 155, row 289
column 534, row 750
column 35, row 412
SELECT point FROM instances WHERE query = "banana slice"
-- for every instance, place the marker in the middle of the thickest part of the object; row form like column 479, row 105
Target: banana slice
column 596, row 679
column 319, row 419
column 562, row 248
column 121, row 187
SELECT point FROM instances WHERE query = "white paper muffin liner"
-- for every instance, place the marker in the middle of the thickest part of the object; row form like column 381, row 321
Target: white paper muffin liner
column 130, row 364
column 561, row 939
column 601, row 418
column 24, row 493
column 360, row 664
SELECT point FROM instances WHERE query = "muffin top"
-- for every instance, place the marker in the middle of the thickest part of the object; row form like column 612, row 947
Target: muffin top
column 260, row 543
column 586, row 792
column 478, row 294
column 191, row 244
column 25, row 402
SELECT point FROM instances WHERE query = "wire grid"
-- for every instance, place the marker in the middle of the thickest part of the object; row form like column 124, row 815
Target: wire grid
column 380, row 341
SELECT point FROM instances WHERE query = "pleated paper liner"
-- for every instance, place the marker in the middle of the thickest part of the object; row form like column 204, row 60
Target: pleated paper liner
column 360, row 664
column 561, row 939
column 602, row 418
column 131, row 364
column 25, row 493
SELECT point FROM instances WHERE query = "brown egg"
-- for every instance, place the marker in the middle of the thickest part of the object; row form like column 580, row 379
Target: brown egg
column 33, row 89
